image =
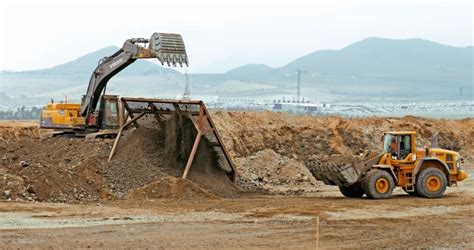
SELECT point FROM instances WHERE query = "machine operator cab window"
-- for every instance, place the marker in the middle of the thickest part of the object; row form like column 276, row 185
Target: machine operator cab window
column 399, row 146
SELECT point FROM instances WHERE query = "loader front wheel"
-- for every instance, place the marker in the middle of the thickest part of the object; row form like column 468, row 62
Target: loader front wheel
column 354, row 191
column 378, row 184
column 431, row 183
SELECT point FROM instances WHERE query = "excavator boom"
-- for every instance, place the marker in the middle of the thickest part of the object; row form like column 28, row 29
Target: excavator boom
column 166, row 47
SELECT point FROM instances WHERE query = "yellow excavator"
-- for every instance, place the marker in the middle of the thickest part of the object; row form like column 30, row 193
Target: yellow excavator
column 100, row 114
column 420, row 172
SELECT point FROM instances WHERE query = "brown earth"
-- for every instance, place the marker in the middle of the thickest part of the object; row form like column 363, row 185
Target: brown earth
column 310, row 137
column 170, row 187
column 323, row 140
column 73, row 170
column 138, row 199
column 268, row 149
column 249, row 221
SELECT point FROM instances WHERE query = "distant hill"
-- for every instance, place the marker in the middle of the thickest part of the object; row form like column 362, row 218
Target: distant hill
column 250, row 72
column 84, row 65
column 406, row 60
column 72, row 78
column 371, row 68
column 409, row 64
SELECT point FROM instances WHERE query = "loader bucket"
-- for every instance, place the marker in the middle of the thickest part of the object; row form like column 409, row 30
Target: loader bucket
column 340, row 175
column 169, row 48
column 343, row 173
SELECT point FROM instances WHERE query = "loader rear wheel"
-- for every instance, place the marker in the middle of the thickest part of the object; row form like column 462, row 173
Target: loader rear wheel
column 431, row 183
column 355, row 190
column 378, row 184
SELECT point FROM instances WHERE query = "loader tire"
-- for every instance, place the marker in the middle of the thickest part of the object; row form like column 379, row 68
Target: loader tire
column 354, row 191
column 378, row 184
column 431, row 183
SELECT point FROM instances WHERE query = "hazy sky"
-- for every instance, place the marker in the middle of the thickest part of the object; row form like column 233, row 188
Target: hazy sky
column 220, row 35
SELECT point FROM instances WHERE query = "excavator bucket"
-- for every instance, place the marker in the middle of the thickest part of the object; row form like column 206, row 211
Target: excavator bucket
column 169, row 48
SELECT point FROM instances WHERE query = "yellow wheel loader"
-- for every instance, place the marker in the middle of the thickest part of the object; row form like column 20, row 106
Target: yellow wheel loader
column 422, row 172
column 100, row 114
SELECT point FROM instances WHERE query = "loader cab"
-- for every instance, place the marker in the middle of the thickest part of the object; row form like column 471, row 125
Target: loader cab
column 400, row 145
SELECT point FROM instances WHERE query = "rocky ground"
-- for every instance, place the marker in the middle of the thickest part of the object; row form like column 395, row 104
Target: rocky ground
column 269, row 151
column 248, row 221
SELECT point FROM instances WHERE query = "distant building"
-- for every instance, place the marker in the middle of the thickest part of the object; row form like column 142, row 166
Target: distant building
column 300, row 107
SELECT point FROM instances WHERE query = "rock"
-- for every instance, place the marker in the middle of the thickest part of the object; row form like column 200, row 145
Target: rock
column 30, row 189
column 7, row 194
column 24, row 164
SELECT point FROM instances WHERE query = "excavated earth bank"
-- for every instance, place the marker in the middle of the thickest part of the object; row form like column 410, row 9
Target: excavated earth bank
column 268, row 149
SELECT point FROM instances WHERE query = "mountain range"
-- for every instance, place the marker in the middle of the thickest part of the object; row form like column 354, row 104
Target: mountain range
column 371, row 68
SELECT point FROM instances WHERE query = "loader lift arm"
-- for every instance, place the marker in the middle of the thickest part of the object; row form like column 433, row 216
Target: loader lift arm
column 166, row 47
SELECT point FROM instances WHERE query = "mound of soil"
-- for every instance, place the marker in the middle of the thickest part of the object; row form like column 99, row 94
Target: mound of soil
column 73, row 170
column 272, row 172
column 325, row 140
column 170, row 187
column 268, row 149
column 19, row 129
column 155, row 151
column 57, row 170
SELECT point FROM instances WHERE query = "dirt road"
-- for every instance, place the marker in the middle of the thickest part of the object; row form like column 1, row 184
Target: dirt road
column 249, row 221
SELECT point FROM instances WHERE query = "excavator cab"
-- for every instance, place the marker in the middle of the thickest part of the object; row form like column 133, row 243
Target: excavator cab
column 109, row 112
column 106, row 115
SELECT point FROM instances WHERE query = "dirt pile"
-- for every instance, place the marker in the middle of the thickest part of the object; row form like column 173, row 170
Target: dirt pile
column 154, row 151
column 73, row 170
column 58, row 170
column 308, row 137
column 323, row 139
column 268, row 149
column 272, row 172
column 19, row 129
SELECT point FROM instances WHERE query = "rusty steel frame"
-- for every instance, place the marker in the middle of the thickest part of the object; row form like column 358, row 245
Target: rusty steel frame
column 200, row 119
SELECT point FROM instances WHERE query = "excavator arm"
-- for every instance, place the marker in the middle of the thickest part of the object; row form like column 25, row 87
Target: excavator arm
column 166, row 47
